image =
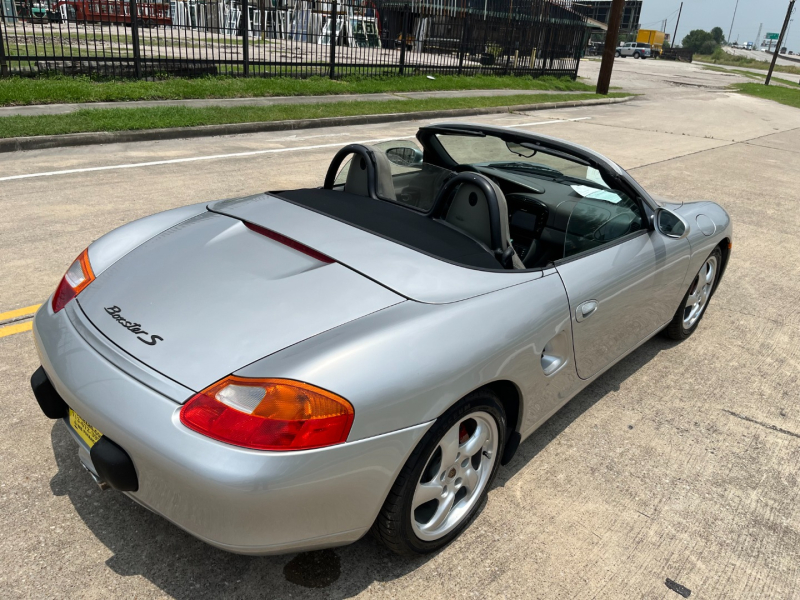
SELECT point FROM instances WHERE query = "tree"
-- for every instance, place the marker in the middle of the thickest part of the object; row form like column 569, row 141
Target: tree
column 708, row 47
column 718, row 35
column 696, row 39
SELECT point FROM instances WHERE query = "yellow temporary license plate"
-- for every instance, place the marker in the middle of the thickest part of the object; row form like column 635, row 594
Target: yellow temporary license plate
column 89, row 434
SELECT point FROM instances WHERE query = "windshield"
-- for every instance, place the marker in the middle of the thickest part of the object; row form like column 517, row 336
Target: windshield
column 491, row 152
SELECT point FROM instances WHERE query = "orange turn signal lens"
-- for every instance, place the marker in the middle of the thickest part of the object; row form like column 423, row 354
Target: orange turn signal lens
column 75, row 280
column 269, row 414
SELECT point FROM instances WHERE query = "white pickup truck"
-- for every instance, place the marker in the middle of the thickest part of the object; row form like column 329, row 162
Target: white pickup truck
column 634, row 49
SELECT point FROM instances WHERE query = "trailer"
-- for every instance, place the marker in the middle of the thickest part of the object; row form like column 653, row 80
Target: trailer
column 653, row 37
column 150, row 14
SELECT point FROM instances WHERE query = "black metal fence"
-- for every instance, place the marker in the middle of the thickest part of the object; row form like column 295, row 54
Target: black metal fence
column 297, row 38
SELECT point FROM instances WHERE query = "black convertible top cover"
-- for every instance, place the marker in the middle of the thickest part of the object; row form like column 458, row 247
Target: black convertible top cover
column 396, row 223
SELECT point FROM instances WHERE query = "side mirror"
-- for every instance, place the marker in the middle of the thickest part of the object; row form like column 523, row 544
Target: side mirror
column 671, row 224
column 404, row 156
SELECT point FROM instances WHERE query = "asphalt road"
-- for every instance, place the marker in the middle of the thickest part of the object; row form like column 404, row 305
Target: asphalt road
column 681, row 462
column 761, row 55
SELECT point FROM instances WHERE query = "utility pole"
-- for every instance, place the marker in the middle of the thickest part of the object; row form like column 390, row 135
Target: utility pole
column 757, row 43
column 610, row 49
column 780, row 40
column 732, row 20
column 675, row 35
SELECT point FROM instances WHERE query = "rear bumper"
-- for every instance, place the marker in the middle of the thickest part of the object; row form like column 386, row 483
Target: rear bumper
column 236, row 499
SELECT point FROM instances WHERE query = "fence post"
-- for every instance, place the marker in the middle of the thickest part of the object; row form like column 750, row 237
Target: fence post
column 3, row 63
column 333, row 40
column 546, row 50
column 137, row 58
column 461, row 50
column 245, row 29
column 403, row 36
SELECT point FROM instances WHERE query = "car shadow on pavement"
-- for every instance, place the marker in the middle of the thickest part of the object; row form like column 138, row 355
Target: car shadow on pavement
column 181, row 566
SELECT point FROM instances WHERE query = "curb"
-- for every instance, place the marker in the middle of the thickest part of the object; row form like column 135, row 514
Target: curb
column 117, row 137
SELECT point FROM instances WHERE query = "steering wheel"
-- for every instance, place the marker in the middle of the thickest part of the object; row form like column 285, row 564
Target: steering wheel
column 467, row 169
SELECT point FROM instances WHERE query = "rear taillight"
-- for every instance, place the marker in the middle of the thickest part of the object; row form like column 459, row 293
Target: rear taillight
column 75, row 280
column 269, row 414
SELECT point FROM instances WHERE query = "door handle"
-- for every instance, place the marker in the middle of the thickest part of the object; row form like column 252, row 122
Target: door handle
column 585, row 310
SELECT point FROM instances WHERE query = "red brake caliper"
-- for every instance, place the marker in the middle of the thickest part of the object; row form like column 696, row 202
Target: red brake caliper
column 463, row 436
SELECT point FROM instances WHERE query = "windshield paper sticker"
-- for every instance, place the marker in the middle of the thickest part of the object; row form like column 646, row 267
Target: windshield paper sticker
column 590, row 192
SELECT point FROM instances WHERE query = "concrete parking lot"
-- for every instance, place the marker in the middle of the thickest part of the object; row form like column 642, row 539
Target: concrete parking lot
column 681, row 462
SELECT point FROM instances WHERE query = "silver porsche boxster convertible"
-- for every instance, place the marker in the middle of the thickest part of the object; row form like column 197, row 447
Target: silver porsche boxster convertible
column 293, row 369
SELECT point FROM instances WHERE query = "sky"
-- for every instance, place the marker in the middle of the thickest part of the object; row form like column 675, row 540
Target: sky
column 706, row 14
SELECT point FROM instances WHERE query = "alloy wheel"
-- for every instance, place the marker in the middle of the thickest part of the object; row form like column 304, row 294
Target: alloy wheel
column 700, row 292
column 454, row 476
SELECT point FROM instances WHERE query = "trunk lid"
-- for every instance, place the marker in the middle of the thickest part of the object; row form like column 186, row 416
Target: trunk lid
column 408, row 272
column 209, row 296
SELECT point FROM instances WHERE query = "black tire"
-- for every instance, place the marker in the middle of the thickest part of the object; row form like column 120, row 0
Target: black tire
column 636, row 55
column 393, row 526
column 676, row 330
column 618, row 53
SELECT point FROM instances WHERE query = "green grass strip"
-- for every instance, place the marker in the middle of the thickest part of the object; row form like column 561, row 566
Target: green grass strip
column 788, row 96
column 57, row 89
column 126, row 119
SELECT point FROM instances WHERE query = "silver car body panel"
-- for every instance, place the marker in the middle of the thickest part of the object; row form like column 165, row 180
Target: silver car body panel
column 108, row 249
column 240, row 500
column 190, row 312
column 703, row 244
column 407, row 364
column 407, row 272
column 122, row 360
column 636, row 286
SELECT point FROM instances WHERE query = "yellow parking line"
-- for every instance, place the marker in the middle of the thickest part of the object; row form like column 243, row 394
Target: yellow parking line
column 19, row 312
column 15, row 328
